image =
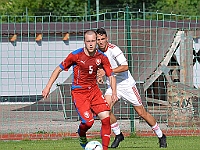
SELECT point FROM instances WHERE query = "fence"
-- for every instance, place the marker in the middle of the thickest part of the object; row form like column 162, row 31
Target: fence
column 163, row 56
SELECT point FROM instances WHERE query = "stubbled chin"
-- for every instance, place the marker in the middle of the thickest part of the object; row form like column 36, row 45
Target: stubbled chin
column 102, row 47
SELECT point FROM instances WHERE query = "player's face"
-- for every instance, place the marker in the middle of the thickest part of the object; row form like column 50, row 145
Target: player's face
column 102, row 41
column 90, row 42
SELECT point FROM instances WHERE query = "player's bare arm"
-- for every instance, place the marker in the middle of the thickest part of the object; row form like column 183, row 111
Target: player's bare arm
column 114, row 88
column 122, row 68
column 54, row 76
column 100, row 74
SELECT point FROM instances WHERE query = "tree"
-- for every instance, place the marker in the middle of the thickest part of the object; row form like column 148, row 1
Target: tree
column 24, row 8
column 63, row 8
column 58, row 7
column 179, row 7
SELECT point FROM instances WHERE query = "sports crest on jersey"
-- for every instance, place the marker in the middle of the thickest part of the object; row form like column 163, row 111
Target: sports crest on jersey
column 86, row 114
column 98, row 61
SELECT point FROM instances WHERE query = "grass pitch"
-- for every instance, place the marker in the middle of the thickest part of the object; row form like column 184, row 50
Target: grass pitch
column 130, row 143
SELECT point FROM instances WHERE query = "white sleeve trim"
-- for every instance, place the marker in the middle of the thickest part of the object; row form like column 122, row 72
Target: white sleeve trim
column 124, row 63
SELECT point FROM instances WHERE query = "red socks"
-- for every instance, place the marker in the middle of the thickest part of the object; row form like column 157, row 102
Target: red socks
column 83, row 128
column 105, row 132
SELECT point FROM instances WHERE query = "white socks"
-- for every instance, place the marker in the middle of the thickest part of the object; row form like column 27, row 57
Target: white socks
column 157, row 130
column 115, row 128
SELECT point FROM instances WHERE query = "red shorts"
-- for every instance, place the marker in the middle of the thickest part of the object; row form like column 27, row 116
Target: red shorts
column 89, row 102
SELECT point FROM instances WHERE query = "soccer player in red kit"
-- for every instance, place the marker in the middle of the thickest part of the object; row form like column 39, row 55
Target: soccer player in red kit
column 86, row 95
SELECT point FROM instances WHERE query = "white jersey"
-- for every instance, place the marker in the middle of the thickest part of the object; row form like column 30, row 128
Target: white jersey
column 116, row 58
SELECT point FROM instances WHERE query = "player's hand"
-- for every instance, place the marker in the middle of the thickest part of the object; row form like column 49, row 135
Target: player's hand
column 100, row 73
column 114, row 98
column 100, row 80
column 45, row 92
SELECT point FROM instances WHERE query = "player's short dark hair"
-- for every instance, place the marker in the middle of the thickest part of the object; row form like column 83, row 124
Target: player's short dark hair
column 101, row 31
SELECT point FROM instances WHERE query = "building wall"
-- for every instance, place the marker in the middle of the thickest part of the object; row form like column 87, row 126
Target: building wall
column 26, row 66
column 196, row 67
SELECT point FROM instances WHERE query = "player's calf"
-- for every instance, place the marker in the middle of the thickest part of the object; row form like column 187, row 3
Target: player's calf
column 83, row 142
column 82, row 139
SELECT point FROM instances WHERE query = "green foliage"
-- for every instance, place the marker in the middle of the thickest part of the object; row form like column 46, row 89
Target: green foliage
column 42, row 7
column 62, row 8
column 19, row 10
column 179, row 7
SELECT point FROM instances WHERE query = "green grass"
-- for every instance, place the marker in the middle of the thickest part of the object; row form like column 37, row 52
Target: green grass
column 130, row 143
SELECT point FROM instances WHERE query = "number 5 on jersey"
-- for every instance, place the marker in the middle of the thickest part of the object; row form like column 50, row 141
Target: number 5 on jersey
column 90, row 69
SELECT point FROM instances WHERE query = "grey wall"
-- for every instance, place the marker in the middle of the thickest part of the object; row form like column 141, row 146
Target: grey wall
column 26, row 67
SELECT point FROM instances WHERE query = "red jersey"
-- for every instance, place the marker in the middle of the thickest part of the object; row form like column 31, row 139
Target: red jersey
column 85, row 68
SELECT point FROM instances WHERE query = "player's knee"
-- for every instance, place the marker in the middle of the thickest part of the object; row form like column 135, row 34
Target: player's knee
column 89, row 123
column 109, row 100
column 142, row 113
column 106, row 121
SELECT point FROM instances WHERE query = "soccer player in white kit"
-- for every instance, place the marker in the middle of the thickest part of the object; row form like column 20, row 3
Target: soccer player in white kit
column 126, row 89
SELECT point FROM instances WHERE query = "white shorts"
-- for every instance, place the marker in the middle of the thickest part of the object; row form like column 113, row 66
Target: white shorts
column 128, row 93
